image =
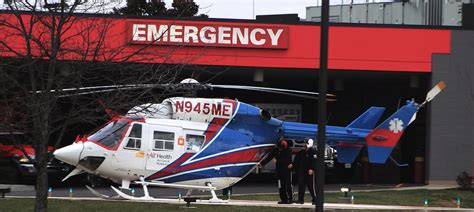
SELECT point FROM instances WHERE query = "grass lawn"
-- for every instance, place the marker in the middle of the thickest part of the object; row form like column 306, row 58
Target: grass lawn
column 20, row 205
column 436, row 198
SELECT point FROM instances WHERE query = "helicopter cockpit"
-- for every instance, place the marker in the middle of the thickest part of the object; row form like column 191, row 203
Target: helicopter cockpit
column 111, row 134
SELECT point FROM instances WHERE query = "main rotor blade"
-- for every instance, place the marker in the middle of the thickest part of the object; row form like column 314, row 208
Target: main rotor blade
column 289, row 92
column 186, row 84
column 97, row 91
column 104, row 88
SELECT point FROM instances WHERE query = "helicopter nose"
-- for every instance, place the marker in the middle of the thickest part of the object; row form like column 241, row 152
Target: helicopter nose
column 69, row 154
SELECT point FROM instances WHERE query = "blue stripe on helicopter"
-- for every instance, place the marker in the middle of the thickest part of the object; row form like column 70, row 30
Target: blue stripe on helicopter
column 212, row 172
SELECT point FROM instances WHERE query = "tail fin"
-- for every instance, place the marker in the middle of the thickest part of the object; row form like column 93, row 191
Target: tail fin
column 382, row 140
column 368, row 119
column 347, row 152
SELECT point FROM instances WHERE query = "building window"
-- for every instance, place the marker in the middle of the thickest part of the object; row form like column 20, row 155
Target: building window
column 194, row 142
column 135, row 137
column 163, row 140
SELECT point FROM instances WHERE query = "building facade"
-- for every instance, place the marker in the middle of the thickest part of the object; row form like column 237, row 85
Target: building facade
column 369, row 66
column 412, row 12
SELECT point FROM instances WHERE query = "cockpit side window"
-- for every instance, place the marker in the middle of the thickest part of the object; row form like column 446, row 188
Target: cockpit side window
column 135, row 137
column 194, row 142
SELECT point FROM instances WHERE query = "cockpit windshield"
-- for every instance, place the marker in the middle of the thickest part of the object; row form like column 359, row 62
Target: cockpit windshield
column 110, row 134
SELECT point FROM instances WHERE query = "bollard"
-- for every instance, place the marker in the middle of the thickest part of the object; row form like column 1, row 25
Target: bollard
column 50, row 192
column 70, row 192
column 133, row 192
column 228, row 194
column 458, row 202
column 179, row 197
column 425, row 202
column 352, row 199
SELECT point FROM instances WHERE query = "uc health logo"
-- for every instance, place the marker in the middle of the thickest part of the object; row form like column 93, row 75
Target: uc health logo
column 396, row 125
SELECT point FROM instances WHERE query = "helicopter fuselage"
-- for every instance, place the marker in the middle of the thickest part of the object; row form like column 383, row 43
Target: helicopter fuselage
column 185, row 149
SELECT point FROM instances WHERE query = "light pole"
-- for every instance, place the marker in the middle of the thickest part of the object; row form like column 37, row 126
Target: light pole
column 253, row 9
column 323, row 79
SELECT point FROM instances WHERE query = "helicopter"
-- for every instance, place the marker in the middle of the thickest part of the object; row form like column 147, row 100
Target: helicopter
column 212, row 143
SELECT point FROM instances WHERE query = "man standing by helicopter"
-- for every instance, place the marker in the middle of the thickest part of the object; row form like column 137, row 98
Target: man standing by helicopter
column 305, row 165
column 284, row 165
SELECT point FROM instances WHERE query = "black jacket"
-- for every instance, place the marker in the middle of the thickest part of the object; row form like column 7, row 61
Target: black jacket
column 283, row 159
column 304, row 161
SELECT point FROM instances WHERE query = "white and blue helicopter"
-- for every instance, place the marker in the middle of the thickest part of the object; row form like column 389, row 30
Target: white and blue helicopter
column 210, row 143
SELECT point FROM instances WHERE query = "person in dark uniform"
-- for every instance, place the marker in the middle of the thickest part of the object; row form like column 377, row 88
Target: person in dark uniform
column 305, row 165
column 282, row 154
column 226, row 192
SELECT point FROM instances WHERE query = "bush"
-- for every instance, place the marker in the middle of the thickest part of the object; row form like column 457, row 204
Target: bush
column 464, row 180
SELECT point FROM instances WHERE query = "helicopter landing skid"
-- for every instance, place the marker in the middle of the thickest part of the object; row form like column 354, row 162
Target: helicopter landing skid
column 147, row 196
column 103, row 196
column 214, row 198
column 126, row 196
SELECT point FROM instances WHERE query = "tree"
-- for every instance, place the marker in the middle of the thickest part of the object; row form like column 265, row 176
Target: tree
column 48, row 54
column 183, row 9
column 142, row 8
column 158, row 8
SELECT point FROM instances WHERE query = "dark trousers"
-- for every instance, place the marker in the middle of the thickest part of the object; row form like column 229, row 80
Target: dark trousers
column 303, row 181
column 284, row 186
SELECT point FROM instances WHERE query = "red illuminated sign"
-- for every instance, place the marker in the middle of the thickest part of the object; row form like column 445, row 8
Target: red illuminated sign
column 192, row 34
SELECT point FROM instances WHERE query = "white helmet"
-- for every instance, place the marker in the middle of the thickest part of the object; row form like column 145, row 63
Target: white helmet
column 309, row 143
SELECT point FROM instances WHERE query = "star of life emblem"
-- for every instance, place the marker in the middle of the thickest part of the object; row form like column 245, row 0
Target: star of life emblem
column 396, row 125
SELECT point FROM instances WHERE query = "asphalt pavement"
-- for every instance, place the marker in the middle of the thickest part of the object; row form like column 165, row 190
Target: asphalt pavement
column 241, row 188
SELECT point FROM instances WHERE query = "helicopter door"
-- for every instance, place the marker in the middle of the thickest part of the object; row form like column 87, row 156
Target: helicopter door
column 131, row 154
column 167, row 144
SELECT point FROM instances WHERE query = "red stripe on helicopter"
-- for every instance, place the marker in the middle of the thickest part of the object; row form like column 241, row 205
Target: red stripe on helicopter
column 349, row 145
column 382, row 137
column 167, row 170
column 213, row 128
column 217, row 123
column 245, row 156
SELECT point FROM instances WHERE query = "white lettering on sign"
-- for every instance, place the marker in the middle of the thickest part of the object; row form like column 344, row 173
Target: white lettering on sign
column 176, row 33
column 202, row 35
column 224, row 35
column 253, row 37
column 138, row 31
column 153, row 34
column 239, row 36
column 207, row 35
column 190, row 32
column 274, row 37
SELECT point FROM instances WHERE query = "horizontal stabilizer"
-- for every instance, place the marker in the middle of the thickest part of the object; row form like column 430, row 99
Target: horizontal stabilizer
column 347, row 153
column 368, row 119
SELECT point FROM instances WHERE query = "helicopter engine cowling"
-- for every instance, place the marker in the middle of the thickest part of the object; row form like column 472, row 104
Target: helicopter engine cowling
column 265, row 115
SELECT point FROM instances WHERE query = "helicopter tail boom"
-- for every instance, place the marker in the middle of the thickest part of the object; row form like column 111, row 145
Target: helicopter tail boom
column 350, row 140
